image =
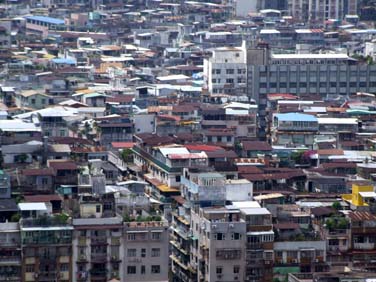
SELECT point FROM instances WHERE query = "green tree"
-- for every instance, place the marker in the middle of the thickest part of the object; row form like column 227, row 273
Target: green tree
column 336, row 205
column 126, row 155
column 22, row 158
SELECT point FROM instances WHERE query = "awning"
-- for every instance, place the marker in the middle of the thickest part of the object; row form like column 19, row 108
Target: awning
column 165, row 188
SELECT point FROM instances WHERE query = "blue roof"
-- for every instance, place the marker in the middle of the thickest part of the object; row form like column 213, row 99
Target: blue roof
column 295, row 117
column 46, row 19
column 64, row 61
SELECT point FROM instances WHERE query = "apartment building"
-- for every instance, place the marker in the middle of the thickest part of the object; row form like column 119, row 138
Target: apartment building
column 362, row 240
column 146, row 252
column 296, row 256
column 46, row 244
column 324, row 74
column 181, row 239
column 225, row 71
column 97, row 249
column 10, row 252
column 165, row 162
column 221, row 236
column 319, row 11
column 259, row 241
column 294, row 129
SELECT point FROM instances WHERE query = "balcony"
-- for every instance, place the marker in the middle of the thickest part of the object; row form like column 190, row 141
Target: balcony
column 10, row 277
column 82, row 259
column 306, row 260
column 99, row 257
column 179, row 246
column 115, row 241
column 47, row 275
column 81, row 241
column 153, row 160
column 10, row 260
column 364, row 246
column 98, row 273
column 98, row 240
column 115, row 259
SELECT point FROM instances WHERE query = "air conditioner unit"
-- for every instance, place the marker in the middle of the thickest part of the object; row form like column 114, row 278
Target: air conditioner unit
column 219, row 276
column 214, row 226
column 236, row 277
column 317, row 260
column 231, row 225
column 295, row 261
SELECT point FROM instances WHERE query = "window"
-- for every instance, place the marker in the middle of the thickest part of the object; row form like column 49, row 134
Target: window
column 131, row 237
column 43, row 101
column 214, row 80
column 235, row 236
column 219, row 270
column 30, row 268
column 33, row 101
column 229, row 80
column 64, row 267
column 143, row 270
column 219, row 236
column 155, row 269
column 236, row 268
column 155, row 252
column 143, row 253
column 240, row 71
column 230, row 71
column 132, row 252
column 229, row 138
column 131, row 269
column 62, row 133
column 98, row 208
column 155, row 236
column 218, row 71
column 44, row 181
column 177, row 178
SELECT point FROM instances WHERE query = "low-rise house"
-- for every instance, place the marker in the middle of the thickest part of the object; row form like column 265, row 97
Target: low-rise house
column 294, row 129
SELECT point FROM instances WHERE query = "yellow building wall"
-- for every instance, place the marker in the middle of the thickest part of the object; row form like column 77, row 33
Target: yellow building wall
column 357, row 200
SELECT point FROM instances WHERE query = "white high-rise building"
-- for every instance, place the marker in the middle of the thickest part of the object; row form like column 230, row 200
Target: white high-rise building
column 225, row 71
column 321, row 10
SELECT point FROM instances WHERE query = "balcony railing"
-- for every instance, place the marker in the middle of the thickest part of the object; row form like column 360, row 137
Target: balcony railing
column 98, row 273
column 154, row 160
column 98, row 240
column 98, row 257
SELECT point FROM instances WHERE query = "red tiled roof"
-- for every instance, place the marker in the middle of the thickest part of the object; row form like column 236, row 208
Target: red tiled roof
column 328, row 152
column 169, row 117
column 42, row 198
column 179, row 199
column 66, row 165
column 120, row 99
column 249, row 169
column 38, row 171
column 360, row 216
column 334, row 165
column 271, row 176
column 122, row 145
column 256, row 146
column 202, row 147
